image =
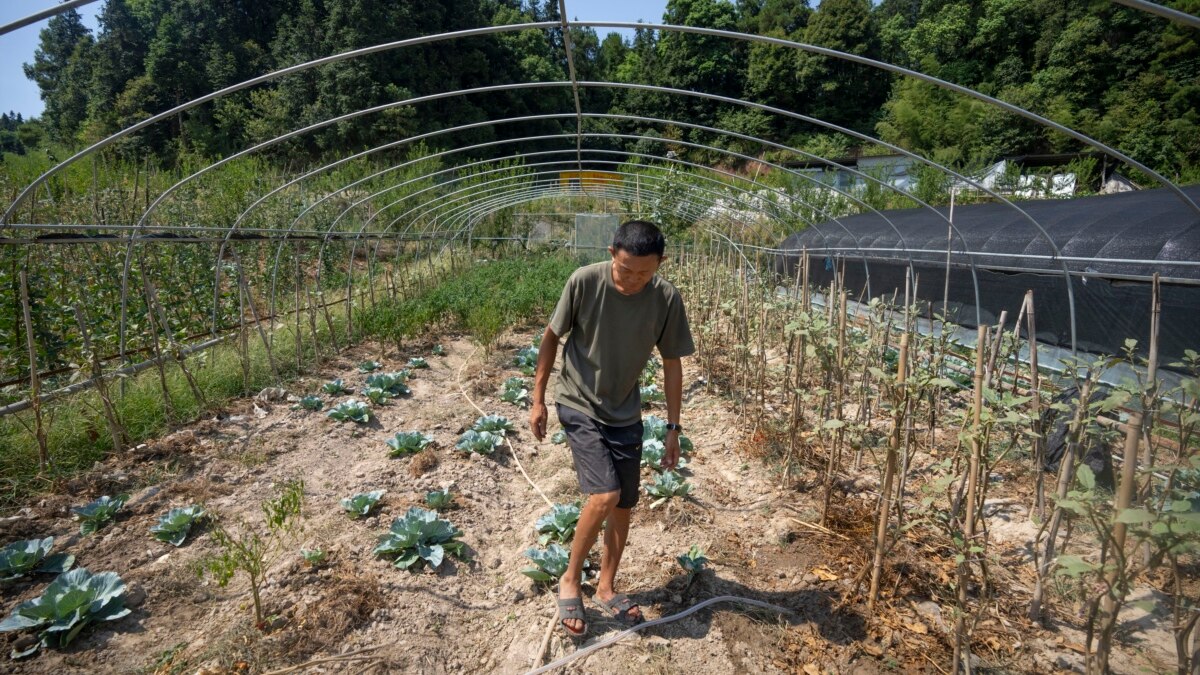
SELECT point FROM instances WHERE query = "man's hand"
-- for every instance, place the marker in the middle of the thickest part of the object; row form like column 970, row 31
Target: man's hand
column 671, row 458
column 537, row 422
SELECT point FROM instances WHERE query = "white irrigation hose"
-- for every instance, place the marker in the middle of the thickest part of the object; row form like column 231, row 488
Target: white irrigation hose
column 580, row 653
column 656, row 622
column 511, row 449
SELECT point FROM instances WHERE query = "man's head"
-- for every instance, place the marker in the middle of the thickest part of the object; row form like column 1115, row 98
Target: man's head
column 637, row 251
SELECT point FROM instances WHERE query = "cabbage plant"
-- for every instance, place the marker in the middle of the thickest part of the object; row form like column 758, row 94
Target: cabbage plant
column 652, row 394
column 496, row 424
column 313, row 403
column 32, row 555
column 96, row 515
column 335, row 388
column 655, row 428
column 438, row 350
column 376, row 395
column 549, row 564
column 361, row 504
column 392, row 383
column 479, row 442
column 559, row 437
column 351, row 411
column 417, row 362
column 650, row 372
column 526, row 360
column 69, row 604
column 312, row 557
column 693, row 561
column 407, row 443
column 369, row 366
column 653, row 452
column 558, row 524
column 666, row 485
column 419, row 538
column 516, row 392
column 439, row 500
column 173, row 526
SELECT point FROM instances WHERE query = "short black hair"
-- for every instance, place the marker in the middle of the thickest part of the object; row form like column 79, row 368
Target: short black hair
column 639, row 238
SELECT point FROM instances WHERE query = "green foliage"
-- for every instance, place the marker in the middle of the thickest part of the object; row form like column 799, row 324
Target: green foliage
column 516, row 392
column 693, row 561
column 439, row 500
column 407, row 443
column 654, row 428
column 251, row 550
column 419, row 537
column 72, row 602
column 32, row 555
column 174, row 525
column 351, row 411
column 360, row 505
column 558, row 524
column 97, row 514
column 417, row 362
column 438, row 350
column 559, row 437
column 479, row 442
column 369, row 366
column 549, row 564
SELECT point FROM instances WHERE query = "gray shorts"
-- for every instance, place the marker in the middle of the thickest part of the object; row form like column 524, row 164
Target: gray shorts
column 607, row 458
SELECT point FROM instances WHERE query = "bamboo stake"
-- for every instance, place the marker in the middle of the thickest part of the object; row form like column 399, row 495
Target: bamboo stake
column 1150, row 401
column 35, row 382
column 176, row 354
column 889, row 473
column 962, row 650
column 1039, row 437
column 110, row 413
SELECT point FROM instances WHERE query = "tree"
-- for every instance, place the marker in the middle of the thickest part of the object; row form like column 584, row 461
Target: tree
column 60, row 72
column 840, row 91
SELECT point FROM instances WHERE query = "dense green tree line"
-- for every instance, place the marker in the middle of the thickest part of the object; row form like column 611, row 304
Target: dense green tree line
column 1124, row 76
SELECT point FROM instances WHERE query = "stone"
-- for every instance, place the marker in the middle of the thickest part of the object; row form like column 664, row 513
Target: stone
column 135, row 596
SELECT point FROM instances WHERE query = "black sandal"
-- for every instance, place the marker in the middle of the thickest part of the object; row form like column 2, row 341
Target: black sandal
column 572, row 608
column 619, row 607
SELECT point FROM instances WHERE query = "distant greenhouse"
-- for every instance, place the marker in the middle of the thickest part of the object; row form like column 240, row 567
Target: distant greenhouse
column 1110, row 246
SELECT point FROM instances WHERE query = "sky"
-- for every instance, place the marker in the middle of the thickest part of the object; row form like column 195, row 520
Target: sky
column 21, row 95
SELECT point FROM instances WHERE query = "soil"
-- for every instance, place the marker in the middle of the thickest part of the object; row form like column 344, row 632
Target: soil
column 481, row 614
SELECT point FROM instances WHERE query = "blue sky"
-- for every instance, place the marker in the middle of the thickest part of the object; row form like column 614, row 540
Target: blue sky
column 17, row 47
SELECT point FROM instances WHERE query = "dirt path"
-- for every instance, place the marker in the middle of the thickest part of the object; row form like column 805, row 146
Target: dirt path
column 483, row 615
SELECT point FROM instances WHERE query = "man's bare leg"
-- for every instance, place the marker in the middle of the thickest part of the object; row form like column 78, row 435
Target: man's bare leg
column 615, row 535
column 599, row 507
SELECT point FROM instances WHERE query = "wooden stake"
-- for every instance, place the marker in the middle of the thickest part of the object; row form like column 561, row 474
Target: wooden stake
column 962, row 650
column 115, row 430
column 889, row 474
column 35, row 382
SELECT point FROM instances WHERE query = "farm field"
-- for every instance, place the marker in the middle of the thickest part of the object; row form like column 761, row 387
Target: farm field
column 480, row 614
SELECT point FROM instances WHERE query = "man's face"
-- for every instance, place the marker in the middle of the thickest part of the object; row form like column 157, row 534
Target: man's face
column 631, row 273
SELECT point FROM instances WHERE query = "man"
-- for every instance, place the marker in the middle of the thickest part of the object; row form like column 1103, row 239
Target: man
column 614, row 313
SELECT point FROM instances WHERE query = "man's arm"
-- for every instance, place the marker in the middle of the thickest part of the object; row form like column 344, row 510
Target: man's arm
column 547, row 352
column 673, row 381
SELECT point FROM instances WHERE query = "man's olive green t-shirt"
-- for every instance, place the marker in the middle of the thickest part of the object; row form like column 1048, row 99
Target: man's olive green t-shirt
column 609, row 339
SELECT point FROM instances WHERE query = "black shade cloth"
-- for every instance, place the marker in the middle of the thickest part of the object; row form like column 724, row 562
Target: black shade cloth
column 1130, row 230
